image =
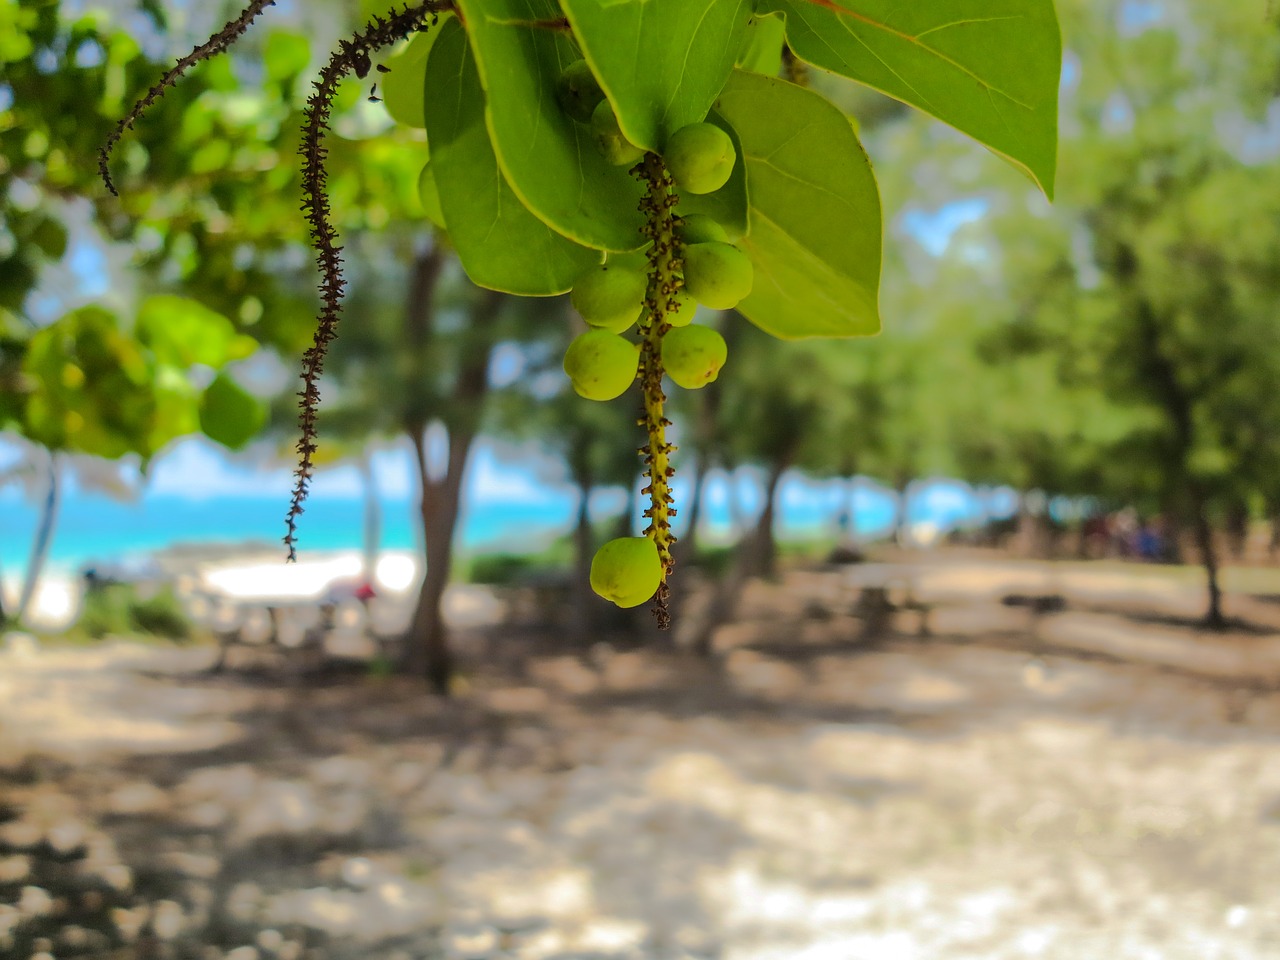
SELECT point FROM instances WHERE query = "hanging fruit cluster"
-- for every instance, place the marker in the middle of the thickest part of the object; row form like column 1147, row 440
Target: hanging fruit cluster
column 646, row 157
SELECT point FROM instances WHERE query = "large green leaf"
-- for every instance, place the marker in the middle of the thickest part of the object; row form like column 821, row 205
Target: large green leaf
column 181, row 332
column 987, row 67
column 94, row 386
column 550, row 161
column 815, row 211
column 762, row 51
column 403, row 91
column 728, row 205
column 500, row 243
column 229, row 414
column 660, row 62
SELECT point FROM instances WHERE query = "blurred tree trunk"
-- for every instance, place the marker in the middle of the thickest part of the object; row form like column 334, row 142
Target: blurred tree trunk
column 762, row 548
column 1273, row 511
column 582, row 619
column 43, row 538
column 1176, row 401
column 1208, row 554
column 372, row 520
column 426, row 652
column 426, row 649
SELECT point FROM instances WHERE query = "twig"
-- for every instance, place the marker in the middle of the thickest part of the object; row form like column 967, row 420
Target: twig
column 216, row 44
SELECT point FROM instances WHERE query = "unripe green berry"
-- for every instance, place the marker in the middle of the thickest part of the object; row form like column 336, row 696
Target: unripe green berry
column 682, row 315
column 701, row 157
column 615, row 147
column 610, row 297
column 601, row 364
column 578, row 91
column 700, row 228
column 692, row 356
column 627, row 571
column 718, row 275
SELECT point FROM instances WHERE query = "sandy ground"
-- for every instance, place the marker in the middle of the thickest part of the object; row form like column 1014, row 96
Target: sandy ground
column 1099, row 782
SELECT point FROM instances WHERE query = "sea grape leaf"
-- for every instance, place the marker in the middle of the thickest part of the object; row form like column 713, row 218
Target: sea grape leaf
column 177, row 410
column 814, row 208
column 94, row 389
column 403, row 91
column 989, row 68
column 500, row 243
column 660, row 62
column 762, row 51
column 286, row 54
column 229, row 414
column 550, row 161
column 182, row 332
column 728, row 205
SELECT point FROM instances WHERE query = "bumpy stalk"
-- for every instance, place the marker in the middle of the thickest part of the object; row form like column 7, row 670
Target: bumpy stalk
column 665, row 280
column 216, row 44
column 352, row 56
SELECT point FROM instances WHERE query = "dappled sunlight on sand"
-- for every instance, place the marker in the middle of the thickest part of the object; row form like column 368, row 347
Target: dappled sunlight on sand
column 79, row 703
column 1105, row 788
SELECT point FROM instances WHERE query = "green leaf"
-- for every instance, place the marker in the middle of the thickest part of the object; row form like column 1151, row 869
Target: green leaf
column 177, row 408
column 403, row 91
column 660, row 62
column 989, row 68
column 93, row 386
column 815, row 212
column 229, row 414
column 500, row 243
column 728, row 205
column 51, row 237
column 286, row 54
column 762, row 51
column 550, row 161
column 182, row 332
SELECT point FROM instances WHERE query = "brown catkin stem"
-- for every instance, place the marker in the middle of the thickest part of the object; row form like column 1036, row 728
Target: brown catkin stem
column 216, row 44
column 665, row 280
column 351, row 55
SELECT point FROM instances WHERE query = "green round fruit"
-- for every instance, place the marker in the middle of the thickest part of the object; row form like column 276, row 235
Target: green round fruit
column 692, row 356
column 615, row 147
column 601, row 364
column 429, row 196
column 627, row 571
column 718, row 275
column 701, row 157
column 686, row 307
column 611, row 297
column 578, row 91
column 700, row 228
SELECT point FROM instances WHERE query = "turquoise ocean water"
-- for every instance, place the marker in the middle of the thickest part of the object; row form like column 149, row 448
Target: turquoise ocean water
column 512, row 505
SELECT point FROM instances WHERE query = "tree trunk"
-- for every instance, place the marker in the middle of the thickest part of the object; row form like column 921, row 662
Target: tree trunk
column 582, row 620
column 901, row 521
column 372, row 532
column 850, row 532
column 426, row 650
column 43, row 538
column 1208, row 557
column 762, row 545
